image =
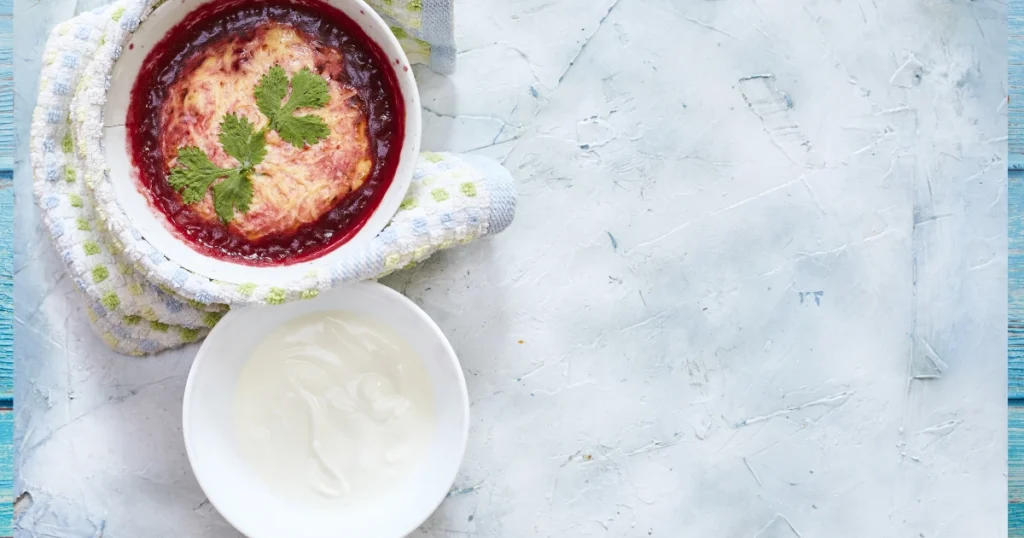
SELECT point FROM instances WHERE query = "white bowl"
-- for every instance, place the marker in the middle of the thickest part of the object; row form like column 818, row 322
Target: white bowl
column 151, row 222
column 244, row 499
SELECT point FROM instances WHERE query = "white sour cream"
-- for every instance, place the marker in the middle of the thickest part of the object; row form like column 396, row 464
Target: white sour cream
column 333, row 408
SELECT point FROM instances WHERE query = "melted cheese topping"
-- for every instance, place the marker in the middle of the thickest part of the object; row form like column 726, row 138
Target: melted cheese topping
column 291, row 187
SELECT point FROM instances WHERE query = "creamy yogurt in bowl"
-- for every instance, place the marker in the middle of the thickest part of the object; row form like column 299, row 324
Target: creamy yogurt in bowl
column 333, row 408
column 343, row 415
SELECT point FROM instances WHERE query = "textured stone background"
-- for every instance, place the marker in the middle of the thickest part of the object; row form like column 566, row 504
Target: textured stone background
column 756, row 285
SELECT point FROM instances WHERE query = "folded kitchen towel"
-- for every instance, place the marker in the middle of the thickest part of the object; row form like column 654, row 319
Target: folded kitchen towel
column 139, row 301
column 425, row 28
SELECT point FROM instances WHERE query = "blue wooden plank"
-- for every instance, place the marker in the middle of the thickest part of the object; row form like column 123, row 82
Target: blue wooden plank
column 1015, row 465
column 6, row 468
column 1016, row 79
column 1015, row 517
column 1015, row 288
column 6, row 268
column 6, row 104
column 6, row 294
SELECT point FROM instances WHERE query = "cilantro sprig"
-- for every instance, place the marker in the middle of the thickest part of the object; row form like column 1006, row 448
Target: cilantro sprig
column 194, row 172
column 308, row 91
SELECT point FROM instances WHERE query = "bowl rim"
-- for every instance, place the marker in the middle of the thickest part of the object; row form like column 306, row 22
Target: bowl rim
column 371, row 287
column 152, row 226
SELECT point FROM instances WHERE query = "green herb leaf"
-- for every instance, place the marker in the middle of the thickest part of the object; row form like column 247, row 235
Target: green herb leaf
column 270, row 90
column 308, row 90
column 240, row 140
column 301, row 130
column 233, row 193
column 193, row 174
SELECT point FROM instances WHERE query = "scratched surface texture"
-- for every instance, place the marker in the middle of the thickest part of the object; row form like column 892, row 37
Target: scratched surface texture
column 755, row 287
